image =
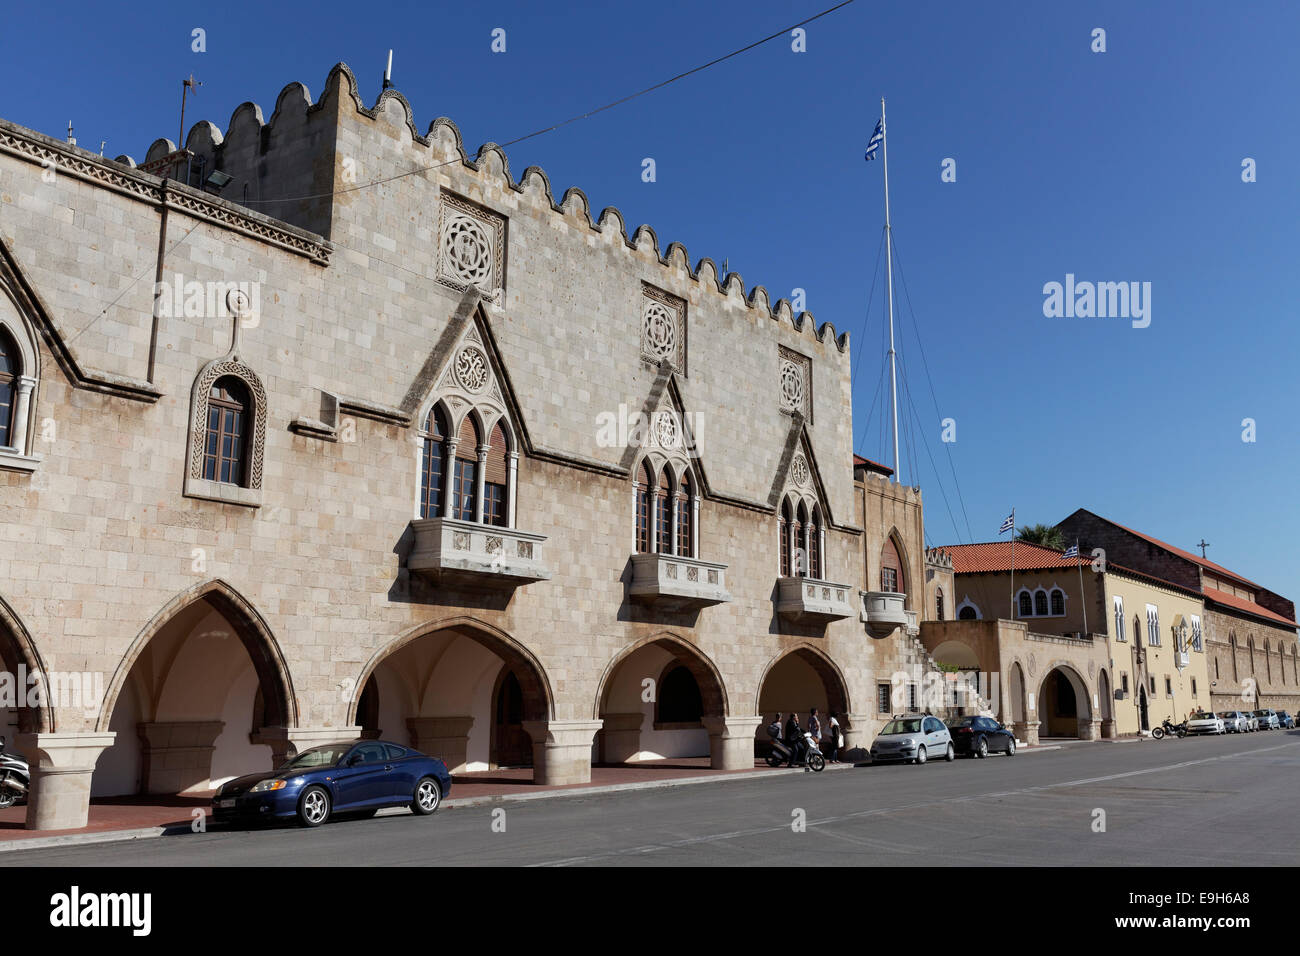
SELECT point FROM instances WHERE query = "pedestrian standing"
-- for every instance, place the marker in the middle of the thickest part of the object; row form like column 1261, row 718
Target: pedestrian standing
column 836, row 741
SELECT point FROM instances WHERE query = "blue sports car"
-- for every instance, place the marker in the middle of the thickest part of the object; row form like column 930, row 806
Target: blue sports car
column 352, row 776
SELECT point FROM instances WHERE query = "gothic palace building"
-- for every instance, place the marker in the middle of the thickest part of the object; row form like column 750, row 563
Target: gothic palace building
column 444, row 459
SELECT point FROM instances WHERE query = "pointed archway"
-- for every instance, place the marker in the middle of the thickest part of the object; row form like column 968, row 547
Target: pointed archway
column 19, row 659
column 797, row 680
column 202, row 695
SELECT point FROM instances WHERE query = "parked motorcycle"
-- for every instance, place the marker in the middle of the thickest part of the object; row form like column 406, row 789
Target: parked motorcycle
column 15, row 777
column 1168, row 728
column 780, row 754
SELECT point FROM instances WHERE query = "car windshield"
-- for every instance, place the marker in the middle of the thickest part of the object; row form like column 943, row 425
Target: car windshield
column 962, row 722
column 1228, row 714
column 910, row 726
column 326, row 756
column 1202, row 715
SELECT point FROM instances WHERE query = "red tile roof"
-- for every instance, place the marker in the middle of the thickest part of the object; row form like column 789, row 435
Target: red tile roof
column 1188, row 555
column 996, row 556
column 1249, row 607
column 860, row 462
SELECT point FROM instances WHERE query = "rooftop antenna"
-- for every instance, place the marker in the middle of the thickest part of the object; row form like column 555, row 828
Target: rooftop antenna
column 72, row 140
column 388, row 72
column 186, row 86
column 102, row 144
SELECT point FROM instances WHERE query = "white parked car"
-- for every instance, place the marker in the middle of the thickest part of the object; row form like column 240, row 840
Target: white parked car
column 1235, row 722
column 913, row 738
column 1206, row 722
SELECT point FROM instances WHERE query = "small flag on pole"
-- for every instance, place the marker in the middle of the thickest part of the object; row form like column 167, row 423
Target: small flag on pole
column 1072, row 551
column 877, row 138
column 1009, row 524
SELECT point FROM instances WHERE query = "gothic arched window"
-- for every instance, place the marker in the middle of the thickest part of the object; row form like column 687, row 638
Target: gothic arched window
column 685, row 517
column 891, row 568
column 496, row 479
column 10, row 368
column 464, row 483
column 225, row 443
column 645, row 482
column 664, row 514
column 938, row 603
column 783, row 524
column 433, row 464
column 815, row 544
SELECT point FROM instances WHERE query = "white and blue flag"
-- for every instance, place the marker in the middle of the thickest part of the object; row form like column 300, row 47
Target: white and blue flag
column 1072, row 551
column 1009, row 524
column 877, row 138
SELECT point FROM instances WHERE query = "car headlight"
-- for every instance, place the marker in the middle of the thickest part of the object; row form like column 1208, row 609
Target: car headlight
column 268, row 785
column 909, row 742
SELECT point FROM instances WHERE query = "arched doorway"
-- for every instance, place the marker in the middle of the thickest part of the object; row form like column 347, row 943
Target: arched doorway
column 1144, row 717
column 797, row 681
column 1016, row 693
column 1063, row 705
column 19, row 661
column 654, row 700
column 458, row 690
column 193, row 699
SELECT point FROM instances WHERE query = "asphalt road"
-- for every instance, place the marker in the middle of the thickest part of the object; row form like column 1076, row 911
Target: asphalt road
column 1193, row 802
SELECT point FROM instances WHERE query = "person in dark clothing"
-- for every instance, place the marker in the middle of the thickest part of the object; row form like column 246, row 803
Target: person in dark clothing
column 794, row 739
column 833, row 744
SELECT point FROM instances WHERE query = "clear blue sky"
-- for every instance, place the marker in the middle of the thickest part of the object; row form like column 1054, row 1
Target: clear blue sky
column 1123, row 165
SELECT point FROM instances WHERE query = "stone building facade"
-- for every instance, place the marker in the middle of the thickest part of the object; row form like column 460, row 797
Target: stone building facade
column 1249, row 632
column 400, row 444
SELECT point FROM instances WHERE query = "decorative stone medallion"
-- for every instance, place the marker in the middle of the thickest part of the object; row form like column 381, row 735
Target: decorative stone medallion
column 666, row 434
column 472, row 369
column 799, row 470
column 471, row 247
column 795, row 386
column 663, row 328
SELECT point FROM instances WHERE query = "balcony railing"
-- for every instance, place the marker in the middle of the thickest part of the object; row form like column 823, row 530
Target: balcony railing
column 883, row 611
column 809, row 599
column 475, row 555
column 674, row 582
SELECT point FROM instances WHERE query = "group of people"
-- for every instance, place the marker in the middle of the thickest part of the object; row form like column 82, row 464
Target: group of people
column 791, row 735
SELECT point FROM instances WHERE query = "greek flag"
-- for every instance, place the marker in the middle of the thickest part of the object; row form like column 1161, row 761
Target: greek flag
column 877, row 138
column 1072, row 551
column 1009, row 524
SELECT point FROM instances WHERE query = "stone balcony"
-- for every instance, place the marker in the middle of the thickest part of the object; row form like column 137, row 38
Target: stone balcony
column 882, row 611
column 808, row 599
column 467, row 554
column 677, row 583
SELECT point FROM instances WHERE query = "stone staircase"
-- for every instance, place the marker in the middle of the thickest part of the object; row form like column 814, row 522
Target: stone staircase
column 918, row 662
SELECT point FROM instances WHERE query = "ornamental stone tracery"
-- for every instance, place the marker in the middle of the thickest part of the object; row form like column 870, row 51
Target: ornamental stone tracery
column 471, row 369
column 795, row 385
column 663, row 328
column 471, row 247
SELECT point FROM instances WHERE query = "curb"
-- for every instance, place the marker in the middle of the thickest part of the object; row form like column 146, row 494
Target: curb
column 78, row 839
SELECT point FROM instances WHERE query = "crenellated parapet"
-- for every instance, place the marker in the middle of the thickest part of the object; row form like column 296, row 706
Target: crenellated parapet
column 277, row 169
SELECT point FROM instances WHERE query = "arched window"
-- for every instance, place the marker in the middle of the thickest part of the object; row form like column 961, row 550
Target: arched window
column 433, row 464
column 464, row 483
column 664, row 514
column 225, row 443
column 10, row 368
column 801, row 541
column 784, row 523
column 967, row 614
column 1232, row 646
column 1026, row 604
column 891, row 568
column 1058, row 602
column 680, row 700
column 496, row 478
column 938, row 604
column 645, row 481
column 684, row 516
column 1040, row 603
column 815, row 544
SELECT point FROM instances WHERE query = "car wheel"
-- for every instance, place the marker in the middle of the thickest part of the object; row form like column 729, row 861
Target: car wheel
column 1011, row 747
column 950, row 755
column 427, row 796
column 314, row 807
column 982, row 748
column 920, row 756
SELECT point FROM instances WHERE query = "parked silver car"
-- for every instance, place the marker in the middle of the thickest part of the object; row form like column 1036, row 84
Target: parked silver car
column 1252, row 722
column 913, row 738
column 1268, row 719
column 1235, row 721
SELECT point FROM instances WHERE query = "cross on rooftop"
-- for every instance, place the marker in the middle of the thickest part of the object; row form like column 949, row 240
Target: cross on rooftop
column 1202, row 544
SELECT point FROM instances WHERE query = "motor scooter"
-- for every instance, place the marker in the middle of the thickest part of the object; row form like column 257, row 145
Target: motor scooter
column 1169, row 728
column 813, row 759
column 15, row 777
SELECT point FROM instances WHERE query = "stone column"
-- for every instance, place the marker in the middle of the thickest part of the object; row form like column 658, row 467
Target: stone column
column 1026, row 730
column 176, row 755
column 287, row 742
column 445, row 737
column 512, row 464
column 857, row 730
column 731, row 742
column 1089, row 728
column 448, row 480
column 695, row 525
column 1108, row 728
column 61, row 766
column 672, row 521
column 480, row 479
column 561, row 750
column 22, row 409
column 622, row 737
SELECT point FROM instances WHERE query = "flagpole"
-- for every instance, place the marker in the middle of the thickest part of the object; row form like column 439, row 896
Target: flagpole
column 1082, row 598
column 889, row 285
column 1013, row 564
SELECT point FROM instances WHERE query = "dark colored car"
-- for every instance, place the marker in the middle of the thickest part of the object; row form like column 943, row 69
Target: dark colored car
column 351, row 776
column 981, row 736
column 1285, row 719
